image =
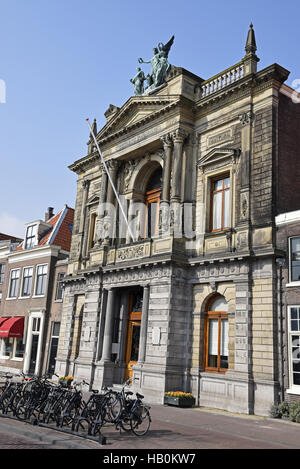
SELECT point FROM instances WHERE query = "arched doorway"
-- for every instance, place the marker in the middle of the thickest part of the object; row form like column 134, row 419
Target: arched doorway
column 216, row 335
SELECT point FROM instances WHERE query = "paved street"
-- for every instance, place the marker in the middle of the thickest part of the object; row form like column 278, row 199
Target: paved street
column 171, row 428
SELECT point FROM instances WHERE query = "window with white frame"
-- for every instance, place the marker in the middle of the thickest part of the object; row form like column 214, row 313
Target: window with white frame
column 295, row 259
column 2, row 272
column 14, row 283
column 220, row 203
column 27, row 281
column 41, row 279
column 6, row 345
column 18, row 349
column 294, row 345
column 30, row 239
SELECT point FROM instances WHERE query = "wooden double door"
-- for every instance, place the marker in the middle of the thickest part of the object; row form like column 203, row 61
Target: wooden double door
column 132, row 340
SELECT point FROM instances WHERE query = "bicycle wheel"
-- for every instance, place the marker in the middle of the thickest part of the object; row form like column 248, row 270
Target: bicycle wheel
column 83, row 426
column 68, row 417
column 113, row 408
column 21, row 412
column 140, row 421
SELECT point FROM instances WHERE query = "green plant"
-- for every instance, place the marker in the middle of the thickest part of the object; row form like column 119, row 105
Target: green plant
column 275, row 412
column 284, row 409
column 295, row 412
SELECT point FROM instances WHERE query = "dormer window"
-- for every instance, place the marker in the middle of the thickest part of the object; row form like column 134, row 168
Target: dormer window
column 30, row 239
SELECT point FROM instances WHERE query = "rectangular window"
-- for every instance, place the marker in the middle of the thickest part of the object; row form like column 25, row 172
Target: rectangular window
column 92, row 230
column 27, row 281
column 30, row 240
column 295, row 259
column 14, row 283
column 59, row 288
column 216, row 342
column 220, row 204
column 2, row 273
column 18, row 348
column 53, row 347
column 6, row 347
column 41, row 278
column 294, row 345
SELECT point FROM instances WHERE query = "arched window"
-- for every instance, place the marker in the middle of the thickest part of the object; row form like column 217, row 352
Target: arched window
column 216, row 335
column 152, row 200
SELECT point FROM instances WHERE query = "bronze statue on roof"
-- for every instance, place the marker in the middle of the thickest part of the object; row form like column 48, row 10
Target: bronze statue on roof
column 160, row 68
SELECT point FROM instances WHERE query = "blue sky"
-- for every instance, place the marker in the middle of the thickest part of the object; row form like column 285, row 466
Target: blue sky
column 65, row 60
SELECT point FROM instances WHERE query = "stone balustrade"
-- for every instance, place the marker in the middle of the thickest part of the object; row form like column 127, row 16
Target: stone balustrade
column 222, row 80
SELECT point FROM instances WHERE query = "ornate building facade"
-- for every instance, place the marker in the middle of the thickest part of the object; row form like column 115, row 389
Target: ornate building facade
column 188, row 303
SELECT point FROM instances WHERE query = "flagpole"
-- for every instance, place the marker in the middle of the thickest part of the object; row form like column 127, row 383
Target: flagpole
column 111, row 181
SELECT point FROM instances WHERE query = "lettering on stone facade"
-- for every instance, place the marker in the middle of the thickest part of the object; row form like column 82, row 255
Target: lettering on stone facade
column 219, row 138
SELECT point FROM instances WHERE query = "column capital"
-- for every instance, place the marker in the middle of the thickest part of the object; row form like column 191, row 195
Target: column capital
column 112, row 165
column 85, row 184
column 167, row 140
column 179, row 135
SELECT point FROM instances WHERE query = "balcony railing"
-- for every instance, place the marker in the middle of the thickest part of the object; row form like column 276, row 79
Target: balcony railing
column 222, row 80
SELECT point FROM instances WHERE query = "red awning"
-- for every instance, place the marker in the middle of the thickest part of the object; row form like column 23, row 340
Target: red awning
column 2, row 320
column 12, row 327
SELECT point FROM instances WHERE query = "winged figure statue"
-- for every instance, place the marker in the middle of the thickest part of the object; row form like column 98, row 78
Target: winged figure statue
column 160, row 65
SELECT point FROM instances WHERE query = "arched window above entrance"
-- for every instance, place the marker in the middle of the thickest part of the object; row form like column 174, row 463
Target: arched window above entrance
column 216, row 335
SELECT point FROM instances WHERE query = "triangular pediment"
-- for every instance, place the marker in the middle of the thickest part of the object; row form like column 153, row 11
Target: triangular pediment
column 93, row 200
column 218, row 155
column 137, row 111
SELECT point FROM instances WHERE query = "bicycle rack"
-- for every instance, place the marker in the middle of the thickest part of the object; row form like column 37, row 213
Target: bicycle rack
column 101, row 439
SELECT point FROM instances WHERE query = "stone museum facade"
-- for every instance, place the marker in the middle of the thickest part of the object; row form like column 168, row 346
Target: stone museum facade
column 202, row 167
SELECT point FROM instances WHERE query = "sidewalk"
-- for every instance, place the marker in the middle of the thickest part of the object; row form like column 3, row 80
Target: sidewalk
column 171, row 428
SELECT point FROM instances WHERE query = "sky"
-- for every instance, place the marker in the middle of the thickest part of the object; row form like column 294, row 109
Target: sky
column 62, row 61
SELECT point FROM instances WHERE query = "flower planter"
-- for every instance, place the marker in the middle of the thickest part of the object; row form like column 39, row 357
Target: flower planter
column 179, row 401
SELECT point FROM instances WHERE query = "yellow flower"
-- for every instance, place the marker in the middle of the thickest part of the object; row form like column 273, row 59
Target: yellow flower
column 185, row 395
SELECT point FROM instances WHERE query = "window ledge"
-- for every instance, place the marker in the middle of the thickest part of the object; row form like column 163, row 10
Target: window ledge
column 292, row 284
column 294, row 390
column 219, row 232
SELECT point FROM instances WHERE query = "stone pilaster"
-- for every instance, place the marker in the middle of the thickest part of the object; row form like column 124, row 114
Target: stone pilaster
column 108, row 328
column 178, row 138
column 100, row 215
column 85, row 191
column 109, row 218
column 168, row 149
column 144, row 324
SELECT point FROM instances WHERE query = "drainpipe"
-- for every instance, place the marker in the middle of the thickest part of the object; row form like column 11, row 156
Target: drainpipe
column 281, row 262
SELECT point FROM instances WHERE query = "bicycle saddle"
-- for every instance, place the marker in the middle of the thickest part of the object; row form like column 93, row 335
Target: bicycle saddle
column 139, row 396
column 128, row 393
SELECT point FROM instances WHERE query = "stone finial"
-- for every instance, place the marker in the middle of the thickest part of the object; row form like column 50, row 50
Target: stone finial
column 251, row 42
column 94, row 128
column 250, row 60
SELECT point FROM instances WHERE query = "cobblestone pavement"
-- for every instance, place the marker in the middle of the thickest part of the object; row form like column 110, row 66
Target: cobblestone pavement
column 171, row 428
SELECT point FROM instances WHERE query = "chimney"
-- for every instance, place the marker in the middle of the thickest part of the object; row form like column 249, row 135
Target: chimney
column 49, row 214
